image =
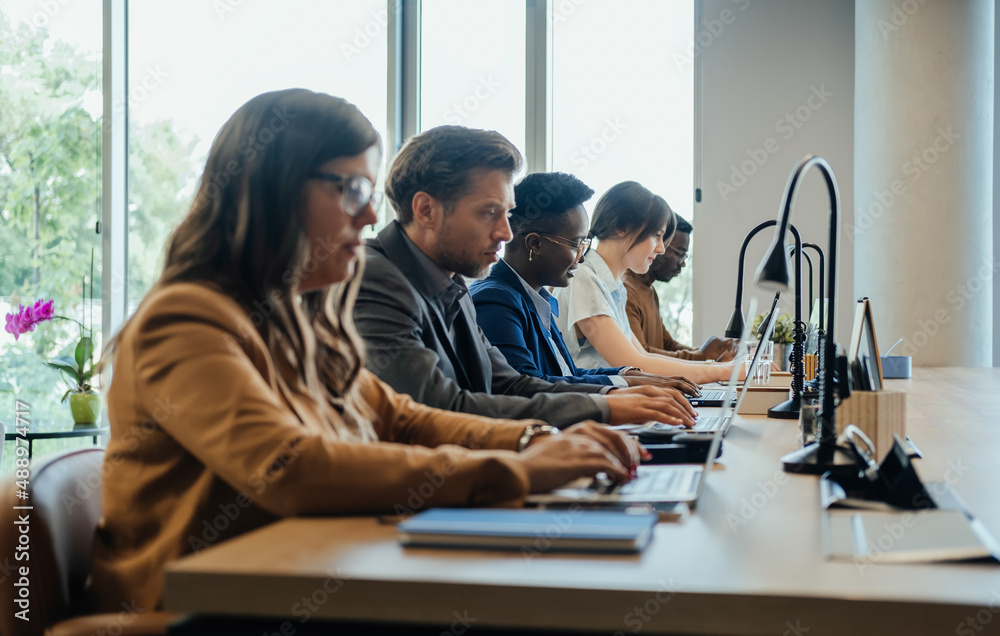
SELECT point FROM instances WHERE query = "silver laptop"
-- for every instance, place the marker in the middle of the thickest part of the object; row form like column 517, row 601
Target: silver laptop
column 714, row 397
column 655, row 484
column 725, row 419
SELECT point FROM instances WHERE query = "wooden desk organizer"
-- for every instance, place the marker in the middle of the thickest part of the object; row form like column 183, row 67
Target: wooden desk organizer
column 780, row 378
column 761, row 398
column 878, row 413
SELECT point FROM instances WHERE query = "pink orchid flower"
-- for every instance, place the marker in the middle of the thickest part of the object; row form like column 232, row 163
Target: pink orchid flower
column 25, row 319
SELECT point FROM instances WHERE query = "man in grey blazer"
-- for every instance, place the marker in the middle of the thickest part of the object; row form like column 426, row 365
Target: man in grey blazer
column 452, row 188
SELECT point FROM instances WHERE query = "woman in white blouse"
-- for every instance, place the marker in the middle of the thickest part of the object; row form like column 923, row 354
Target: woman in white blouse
column 630, row 223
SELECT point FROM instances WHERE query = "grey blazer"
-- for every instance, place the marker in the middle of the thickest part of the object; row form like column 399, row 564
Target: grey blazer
column 410, row 348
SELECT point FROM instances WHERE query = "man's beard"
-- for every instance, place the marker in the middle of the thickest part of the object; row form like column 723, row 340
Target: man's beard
column 453, row 262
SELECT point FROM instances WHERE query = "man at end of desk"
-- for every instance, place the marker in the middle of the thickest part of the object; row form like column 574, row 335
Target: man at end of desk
column 644, row 305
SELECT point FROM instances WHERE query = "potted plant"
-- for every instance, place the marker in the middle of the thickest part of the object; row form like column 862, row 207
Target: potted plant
column 78, row 369
column 784, row 334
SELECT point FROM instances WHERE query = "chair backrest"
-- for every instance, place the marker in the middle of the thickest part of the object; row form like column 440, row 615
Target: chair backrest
column 64, row 493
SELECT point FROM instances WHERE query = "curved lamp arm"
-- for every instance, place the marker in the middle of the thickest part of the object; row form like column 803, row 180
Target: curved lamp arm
column 773, row 275
column 822, row 295
column 736, row 321
column 809, row 262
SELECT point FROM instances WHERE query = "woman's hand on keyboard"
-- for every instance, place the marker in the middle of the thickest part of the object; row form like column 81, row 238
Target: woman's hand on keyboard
column 682, row 384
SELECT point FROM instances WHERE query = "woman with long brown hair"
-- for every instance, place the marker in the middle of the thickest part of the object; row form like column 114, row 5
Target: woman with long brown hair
column 239, row 393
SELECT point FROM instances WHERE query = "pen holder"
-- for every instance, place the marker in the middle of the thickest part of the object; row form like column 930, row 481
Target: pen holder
column 879, row 414
column 897, row 367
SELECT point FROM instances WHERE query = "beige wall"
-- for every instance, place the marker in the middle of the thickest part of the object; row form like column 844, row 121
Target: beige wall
column 924, row 176
column 776, row 83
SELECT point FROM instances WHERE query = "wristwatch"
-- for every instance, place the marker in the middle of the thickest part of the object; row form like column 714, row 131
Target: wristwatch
column 532, row 430
column 627, row 369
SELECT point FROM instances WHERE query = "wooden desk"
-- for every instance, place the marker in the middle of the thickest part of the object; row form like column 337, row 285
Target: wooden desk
column 748, row 561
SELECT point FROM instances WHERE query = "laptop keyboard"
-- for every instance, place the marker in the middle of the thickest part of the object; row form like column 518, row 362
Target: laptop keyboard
column 655, row 482
column 709, row 423
column 712, row 395
column 647, row 483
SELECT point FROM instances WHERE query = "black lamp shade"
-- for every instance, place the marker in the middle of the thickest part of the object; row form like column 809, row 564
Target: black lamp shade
column 735, row 328
column 772, row 275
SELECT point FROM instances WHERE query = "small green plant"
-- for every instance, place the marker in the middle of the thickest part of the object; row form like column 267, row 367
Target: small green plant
column 784, row 328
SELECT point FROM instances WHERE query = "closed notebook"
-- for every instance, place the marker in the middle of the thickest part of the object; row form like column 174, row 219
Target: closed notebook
column 923, row 536
column 529, row 530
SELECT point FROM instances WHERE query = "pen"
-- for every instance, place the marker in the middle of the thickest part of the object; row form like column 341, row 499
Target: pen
column 891, row 348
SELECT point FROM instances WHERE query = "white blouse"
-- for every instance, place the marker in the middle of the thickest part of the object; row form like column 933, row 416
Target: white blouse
column 593, row 291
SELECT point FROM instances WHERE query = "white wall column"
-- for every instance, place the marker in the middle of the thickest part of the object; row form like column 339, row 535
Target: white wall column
column 775, row 83
column 996, row 196
column 923, row 178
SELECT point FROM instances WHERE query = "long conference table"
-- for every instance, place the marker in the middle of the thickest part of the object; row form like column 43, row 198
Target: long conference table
column 747, row 560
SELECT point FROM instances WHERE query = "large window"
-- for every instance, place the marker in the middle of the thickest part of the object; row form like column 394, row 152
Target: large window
column 472, row 66
column 623, row 109
column 50, row 187
column 193, row 63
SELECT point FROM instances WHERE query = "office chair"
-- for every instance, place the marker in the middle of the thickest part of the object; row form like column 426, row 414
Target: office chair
column 66, row 506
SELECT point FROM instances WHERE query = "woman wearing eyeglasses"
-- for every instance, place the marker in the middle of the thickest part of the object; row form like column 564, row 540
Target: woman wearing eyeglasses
column 240, row 394
column 513, row 307
column 630, row 224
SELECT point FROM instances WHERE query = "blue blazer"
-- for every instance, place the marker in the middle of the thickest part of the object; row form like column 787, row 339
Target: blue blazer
column 508, row 317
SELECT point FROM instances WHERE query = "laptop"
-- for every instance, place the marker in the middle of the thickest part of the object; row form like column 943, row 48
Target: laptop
column 725, row 419
column 714, row 398
column 674, row 483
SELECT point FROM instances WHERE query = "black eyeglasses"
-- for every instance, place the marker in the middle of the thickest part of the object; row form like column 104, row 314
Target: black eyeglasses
column 681, row 256
column 357, row 191
column 581, row 247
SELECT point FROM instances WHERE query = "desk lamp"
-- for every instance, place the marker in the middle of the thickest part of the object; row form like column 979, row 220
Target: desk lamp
column 789, row 409
column 822, row 295
column 772, row 275
column 809, row 262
